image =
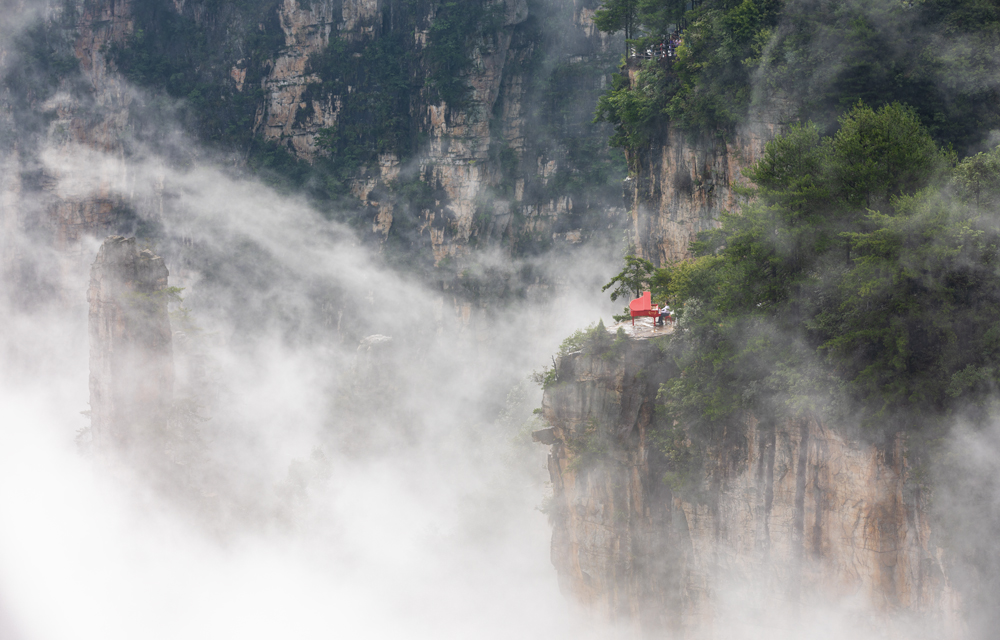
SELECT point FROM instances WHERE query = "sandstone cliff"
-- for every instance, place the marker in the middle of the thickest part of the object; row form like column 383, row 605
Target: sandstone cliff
column 131, row 355
column 782, row 519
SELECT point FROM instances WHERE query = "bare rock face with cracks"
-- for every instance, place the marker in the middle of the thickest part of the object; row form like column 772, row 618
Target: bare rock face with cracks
column 682, row 183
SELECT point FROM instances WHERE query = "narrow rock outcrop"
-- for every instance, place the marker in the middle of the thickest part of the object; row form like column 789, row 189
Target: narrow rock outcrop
column 131, row 356
column 779, row 521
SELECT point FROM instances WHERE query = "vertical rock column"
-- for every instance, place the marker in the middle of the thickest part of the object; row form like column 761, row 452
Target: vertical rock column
column 131, row 356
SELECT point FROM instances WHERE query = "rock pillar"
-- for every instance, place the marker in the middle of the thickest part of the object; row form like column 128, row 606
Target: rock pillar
column 131, row 356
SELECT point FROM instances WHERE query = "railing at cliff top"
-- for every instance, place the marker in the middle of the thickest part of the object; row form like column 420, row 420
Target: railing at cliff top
column 667, row 49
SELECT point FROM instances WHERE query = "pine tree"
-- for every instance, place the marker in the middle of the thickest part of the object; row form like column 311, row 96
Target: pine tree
column 634, row 278
column 618, row 15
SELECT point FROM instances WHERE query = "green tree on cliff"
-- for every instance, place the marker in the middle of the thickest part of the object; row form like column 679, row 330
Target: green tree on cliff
column 811, row 301
column 632, row 280
column 618, row 15
column 978, row 177
column 739, row 52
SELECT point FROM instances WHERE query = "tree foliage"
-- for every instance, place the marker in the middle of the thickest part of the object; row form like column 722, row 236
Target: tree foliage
column 880, row 154
column 815, row 58
column 631, row 281
column 872, row 296
column 618, row 15
column 706, row 85
column 978, row 178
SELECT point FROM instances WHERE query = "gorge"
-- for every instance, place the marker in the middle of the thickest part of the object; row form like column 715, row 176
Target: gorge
column 295, row 261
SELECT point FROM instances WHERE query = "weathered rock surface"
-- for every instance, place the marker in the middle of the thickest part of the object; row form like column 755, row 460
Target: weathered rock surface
column 459, row 154
column 682, row 184
column 307, row 27
column 787, row 517
column 131, row 355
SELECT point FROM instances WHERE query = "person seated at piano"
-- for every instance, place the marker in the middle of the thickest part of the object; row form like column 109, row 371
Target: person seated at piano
column 664, row 315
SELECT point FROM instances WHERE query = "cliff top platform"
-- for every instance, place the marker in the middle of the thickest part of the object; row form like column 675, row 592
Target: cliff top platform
column 643, row 330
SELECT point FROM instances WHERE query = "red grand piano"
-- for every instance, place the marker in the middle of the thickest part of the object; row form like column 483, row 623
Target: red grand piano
column 642, row 307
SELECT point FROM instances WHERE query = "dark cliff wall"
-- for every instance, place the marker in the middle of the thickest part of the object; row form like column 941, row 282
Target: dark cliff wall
column 773, row 521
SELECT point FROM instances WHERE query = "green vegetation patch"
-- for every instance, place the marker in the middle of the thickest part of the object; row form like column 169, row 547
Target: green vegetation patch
column 372, row 82
column 457, row 27
column 706, row 86
column 816, row 58
column 863, row 282
column 191, row 59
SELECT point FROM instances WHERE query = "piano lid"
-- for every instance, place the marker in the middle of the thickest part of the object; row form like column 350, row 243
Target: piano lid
column 642, row 303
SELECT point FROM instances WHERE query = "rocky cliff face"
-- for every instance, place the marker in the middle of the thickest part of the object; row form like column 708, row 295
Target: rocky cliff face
column 131, row 355
column 682, row 184
column 494, row 179
column 785, row 518
column 460, row 154
column 57, row 90
column 307, row 28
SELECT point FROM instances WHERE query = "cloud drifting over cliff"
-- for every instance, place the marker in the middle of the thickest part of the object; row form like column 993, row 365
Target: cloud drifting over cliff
column 369, row 492
column 342, row 484
column 413, row 515
column 331, row 491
